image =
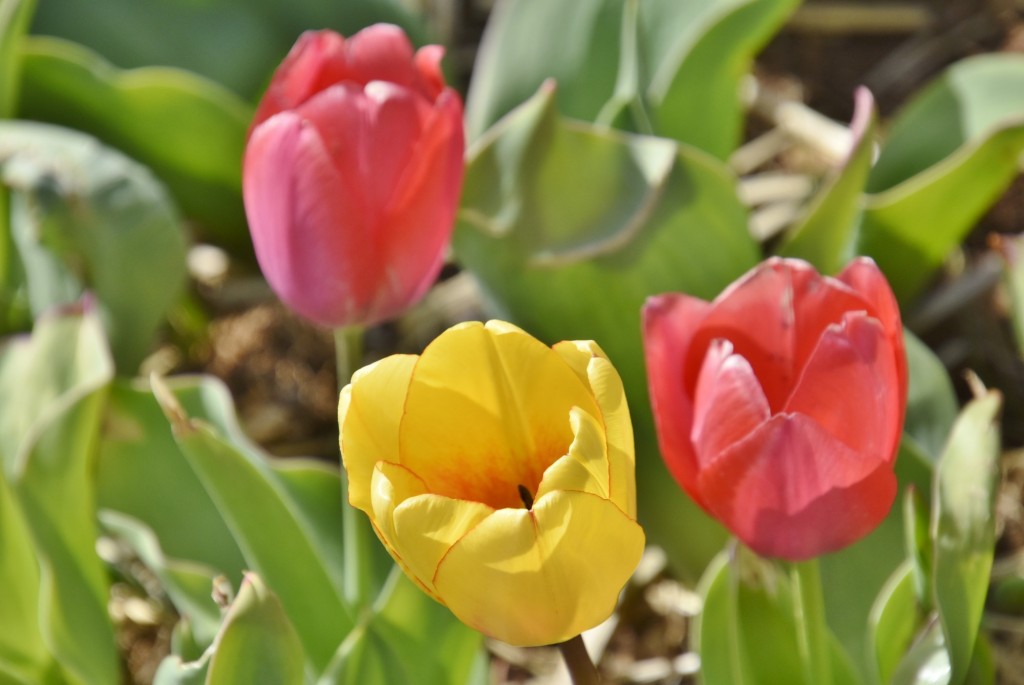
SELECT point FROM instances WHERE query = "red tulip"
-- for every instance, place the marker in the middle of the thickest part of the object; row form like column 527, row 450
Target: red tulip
column 352, row 175
column 779, row 405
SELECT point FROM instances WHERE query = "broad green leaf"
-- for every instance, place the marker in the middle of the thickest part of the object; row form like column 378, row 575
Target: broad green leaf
column 14, row 19
column 826, row 234
column 187, row 583
column 234, row 42
column 963, row 526
column 893, row 621
column 94, row 220
column 570, row 227
column 694, row 92
column 189, row 131
column 257, row 643
column 143, row 474
column 275, row 538
column 365, row 658
column 931, row 400
column 53, row 386
column 663, row 64
column 950, row 154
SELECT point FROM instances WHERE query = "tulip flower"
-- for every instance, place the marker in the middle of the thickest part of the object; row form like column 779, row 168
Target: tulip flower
column 352, row 175
column 499, row 474
column 779, row 405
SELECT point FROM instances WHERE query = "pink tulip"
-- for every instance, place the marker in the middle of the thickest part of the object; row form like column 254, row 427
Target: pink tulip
column 779, row 405
column 352, row 175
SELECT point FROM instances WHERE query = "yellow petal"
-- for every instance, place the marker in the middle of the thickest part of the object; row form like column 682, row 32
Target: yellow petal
column 591, row 364
column 369, row 412
column 585, row 467
column 393, row 484
column 541, row 576
column 427, row 526
column 487, row 411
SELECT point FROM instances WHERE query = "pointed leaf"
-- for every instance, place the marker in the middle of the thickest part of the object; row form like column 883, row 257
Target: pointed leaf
column 963, row 527
column 826, row 234
column 257, row 643
column 274, row 537
column 53, row 385
column 893, row 622
column 950, row 154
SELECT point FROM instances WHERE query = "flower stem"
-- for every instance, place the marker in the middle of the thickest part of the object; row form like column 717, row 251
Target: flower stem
column 581, row 668
column 809, row 613
column 357, row 537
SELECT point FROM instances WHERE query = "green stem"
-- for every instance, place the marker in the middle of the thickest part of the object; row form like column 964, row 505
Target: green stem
column 581, row 668
column 357, row 536
column 809, row 613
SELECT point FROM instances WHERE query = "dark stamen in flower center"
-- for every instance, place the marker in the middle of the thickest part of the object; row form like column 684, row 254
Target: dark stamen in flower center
column 525, row 495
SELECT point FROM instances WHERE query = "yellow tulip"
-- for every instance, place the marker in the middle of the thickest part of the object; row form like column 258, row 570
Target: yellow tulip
column 499, row 474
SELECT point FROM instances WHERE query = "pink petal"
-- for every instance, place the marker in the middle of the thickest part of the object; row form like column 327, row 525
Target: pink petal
column 669, row 324
column 316, row 61
column 729, row 403
column 850, row 387
column 305, row 223
column 428, row 63
column 792, row 490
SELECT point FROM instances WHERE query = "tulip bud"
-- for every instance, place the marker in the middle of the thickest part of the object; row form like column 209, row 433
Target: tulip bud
column 499, row 474
column 352, row 175
column 779, row 406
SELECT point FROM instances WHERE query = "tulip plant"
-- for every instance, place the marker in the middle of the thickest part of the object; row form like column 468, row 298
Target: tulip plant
column 640, row 373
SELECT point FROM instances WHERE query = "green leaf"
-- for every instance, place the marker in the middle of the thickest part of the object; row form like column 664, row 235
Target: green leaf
column 893, row 622
column 274, row 537
column 826, row 234
column 695, row 90
column 963, row 524
column 234, row 42
column 53, row 386
column 93, row 219
column 257, row 643
column 174, row 671
column 22, row 650
column 1010, row 248
column 655, row 66
column 920, row 550
column 189, row 131
column 931, row 399
column 142, row 474
column 746, row 633
column 570, row 227
column 14, row 19
column 951, row 153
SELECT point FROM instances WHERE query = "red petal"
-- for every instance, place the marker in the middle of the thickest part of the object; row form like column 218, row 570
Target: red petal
column 851, row 388
column 669, row 323
column 729, row 403
column 792, row 490
column 381, row 52
column 428, row 64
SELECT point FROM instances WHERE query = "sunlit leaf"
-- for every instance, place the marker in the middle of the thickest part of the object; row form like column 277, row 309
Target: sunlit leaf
column 276, row 541
column 257, row 643
column 963, row 521
column 893, row 622
column 53, row 386
column 14, row 19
